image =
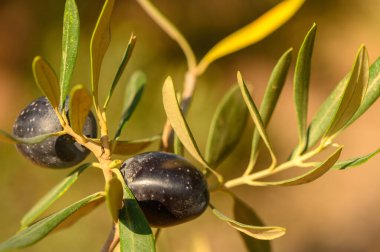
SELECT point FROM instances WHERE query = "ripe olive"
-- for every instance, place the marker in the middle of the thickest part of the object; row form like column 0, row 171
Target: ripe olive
column 168, row 188
column 39, row 118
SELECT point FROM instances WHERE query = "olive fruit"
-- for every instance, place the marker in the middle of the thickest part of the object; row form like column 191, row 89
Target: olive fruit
column 39, row 118
column 168, row 188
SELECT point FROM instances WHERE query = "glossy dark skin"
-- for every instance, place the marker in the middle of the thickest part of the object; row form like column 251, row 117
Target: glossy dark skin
column 168, row 188
column 39, row 118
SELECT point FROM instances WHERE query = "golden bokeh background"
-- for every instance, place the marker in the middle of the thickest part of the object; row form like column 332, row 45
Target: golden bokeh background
column 338, row 212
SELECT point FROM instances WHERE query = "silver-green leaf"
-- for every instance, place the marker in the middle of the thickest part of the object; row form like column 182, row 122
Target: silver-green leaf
column 70, row 41
column 226, row 127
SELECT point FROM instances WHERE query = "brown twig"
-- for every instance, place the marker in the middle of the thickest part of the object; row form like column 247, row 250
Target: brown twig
column 112, row 239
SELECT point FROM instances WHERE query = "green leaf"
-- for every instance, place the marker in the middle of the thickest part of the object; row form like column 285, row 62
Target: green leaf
column 53, row 195
column 114, row 197
column 180, row 126
column 258, row 232
column 132, row 96
column 256, row 119
column 373, row 91
column 135, row 233
column 8, row 138
column 70, row 41
column 253, row 32
column 178, row 122
column 132, row 146
column 244, row 214
column 120, row 70
column 42, row 228
column 322, row 120
column 271, row 96
column 226, row 127
column 302, row 83
column 100, row 40
column 80, row 105
column 309, row 176
column 353, row 94
column 355, row 161
column 46, row 80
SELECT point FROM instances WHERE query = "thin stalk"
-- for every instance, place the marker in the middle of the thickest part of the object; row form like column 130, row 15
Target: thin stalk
column 251, row 179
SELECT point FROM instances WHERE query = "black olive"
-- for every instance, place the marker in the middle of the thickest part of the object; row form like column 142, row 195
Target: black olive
column 168, row 188
column 39, row 118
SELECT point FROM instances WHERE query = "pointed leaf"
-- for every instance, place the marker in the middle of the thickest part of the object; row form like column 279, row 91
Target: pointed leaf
column 258, row 232
column 70, row 41
column 271, row 96
column 355, row 161
column 120, row 70
column 8, row 138
column 373, row 91
column 46, row 80
column 42, row 228
column 135, row 232
column 53, row 195
column 309, row 176
column 178, row 122
column 114, row 197
column 244, row 214
column 100, row 41
column 132, row 146
column 302, row 82
column 353, row 94
column 253, row 32
column 132, row 96
column 322, row 120
column 226, row 127
column 256, row 119
column 80, row 105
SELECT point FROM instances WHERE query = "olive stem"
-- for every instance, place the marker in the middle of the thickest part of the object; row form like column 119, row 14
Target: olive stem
column 112, row 239
column 296, row 161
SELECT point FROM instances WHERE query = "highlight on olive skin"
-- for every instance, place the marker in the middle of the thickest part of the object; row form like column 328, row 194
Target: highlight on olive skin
column 168, row 188
column 39, row 118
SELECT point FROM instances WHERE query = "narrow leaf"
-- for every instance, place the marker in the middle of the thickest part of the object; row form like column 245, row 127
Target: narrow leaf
column 355, row 161
column 132, row 146
column 70, row 41
column 271, row 96
column 302, row 82
column 135, row 233
column 46, row 80
column 53, row 195
column 256, row 119
column 253, row 32
column 132, row 96
column 258, row 232
column 373, row 91
column 120, row 70
column 80, row 105
column 8, row 138
column 353, row 93
column 322, row 120
column 311, row 175
column 42, row 228
column 114, row 197
column 226, row 127
column 244, row 214
column 100, row 41
column 178, row 122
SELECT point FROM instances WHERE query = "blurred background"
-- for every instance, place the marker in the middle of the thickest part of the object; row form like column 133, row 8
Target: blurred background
column 338, row 212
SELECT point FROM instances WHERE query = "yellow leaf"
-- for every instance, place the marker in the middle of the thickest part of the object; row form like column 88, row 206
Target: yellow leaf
column 114, row 197
column 80, row 105
column 46, row 80
column 253, row 32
